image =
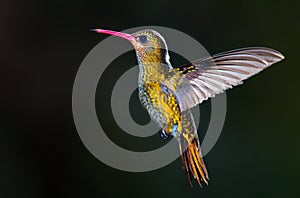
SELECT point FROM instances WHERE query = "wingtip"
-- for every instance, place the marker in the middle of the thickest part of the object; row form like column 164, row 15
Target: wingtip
column 278, row 56
column 281, row 56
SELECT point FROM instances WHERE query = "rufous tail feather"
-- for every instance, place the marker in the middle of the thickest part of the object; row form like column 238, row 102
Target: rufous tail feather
column 192, row 161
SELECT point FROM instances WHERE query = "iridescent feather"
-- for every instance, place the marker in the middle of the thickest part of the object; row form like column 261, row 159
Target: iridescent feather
column 168, row 93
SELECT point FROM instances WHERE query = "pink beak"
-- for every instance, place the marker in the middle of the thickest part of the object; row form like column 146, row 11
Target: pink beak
column 128, row 37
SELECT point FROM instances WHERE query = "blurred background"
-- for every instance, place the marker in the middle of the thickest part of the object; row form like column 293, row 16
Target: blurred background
column 42, row 44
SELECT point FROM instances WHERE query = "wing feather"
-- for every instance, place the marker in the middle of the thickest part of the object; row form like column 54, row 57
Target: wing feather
column 200, row 80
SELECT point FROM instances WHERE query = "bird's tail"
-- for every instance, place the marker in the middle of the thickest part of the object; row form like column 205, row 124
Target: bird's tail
column 192, row 160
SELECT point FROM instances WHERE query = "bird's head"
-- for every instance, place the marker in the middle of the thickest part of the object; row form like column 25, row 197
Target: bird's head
column 149, row 45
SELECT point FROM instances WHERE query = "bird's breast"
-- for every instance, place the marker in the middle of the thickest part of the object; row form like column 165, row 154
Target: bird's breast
column 161, row 105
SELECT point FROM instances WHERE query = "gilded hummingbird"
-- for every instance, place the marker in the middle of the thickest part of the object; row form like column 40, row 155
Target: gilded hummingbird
column 169, row 93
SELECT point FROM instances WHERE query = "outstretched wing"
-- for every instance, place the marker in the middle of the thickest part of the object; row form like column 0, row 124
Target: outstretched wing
column 196, row 82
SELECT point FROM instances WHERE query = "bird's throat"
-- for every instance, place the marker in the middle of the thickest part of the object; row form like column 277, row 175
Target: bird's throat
column 153, row 67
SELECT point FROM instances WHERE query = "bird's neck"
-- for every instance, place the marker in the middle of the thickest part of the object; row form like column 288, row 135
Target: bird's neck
column 152, row 68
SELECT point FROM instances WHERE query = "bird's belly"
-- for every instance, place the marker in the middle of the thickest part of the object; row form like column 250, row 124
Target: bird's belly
column 156, row 113
column 162, row 107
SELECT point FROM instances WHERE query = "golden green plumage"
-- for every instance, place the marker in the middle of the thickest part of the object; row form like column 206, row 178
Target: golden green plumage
column 168, row 94
column 158, row 82
column 159, row 100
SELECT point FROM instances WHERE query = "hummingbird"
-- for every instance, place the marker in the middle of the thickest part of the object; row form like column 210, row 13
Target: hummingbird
column 168, row 93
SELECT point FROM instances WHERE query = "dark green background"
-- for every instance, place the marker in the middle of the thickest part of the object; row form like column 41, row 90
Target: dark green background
column 41, row 47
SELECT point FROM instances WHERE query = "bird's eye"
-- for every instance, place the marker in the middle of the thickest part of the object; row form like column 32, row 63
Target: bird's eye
column 142, row 39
